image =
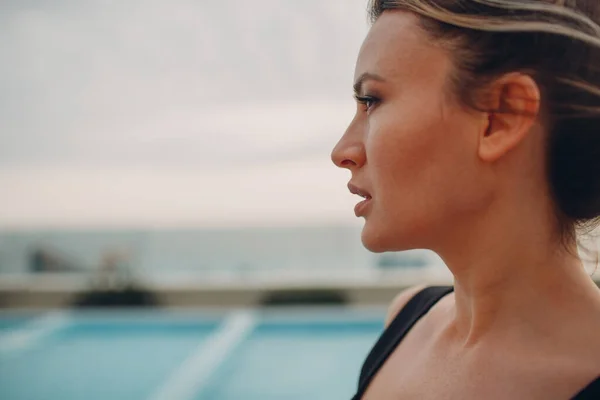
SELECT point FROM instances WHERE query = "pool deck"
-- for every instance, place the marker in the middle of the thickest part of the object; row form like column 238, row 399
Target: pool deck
column 354, row 288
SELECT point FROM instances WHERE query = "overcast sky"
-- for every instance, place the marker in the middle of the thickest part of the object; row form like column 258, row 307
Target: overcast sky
column 186, row 112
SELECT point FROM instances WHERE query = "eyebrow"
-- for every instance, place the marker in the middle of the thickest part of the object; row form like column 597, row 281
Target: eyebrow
column 366, row 76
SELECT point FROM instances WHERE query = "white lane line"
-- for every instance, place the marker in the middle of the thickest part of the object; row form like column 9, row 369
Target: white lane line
column 194, row 373
column 32, row 332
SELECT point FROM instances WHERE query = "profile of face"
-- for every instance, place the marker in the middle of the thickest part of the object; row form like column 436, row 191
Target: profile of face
column 411, row 147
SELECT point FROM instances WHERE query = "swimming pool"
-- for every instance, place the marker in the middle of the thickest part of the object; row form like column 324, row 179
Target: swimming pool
column 176, row 355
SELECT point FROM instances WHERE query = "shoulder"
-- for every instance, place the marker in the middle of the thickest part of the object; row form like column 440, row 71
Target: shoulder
column 400, row 301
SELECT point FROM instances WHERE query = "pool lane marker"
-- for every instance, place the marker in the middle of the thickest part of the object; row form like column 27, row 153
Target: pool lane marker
column 31, row 332
column 194, row 373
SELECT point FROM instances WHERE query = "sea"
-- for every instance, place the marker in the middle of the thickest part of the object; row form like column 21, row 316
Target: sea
column 199, row 250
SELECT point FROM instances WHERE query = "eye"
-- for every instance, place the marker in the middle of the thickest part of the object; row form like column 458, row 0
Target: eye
column 367, row 101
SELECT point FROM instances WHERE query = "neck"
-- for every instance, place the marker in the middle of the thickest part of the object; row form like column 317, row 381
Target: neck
column 509, row 271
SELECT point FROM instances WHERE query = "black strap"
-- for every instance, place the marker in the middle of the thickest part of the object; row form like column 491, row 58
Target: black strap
column 414, row 309
column 590, row 392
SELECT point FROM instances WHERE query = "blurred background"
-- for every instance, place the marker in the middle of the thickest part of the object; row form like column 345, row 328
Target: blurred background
column 171, row 225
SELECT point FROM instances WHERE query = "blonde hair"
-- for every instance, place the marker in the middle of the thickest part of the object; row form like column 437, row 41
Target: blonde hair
column 557, row 42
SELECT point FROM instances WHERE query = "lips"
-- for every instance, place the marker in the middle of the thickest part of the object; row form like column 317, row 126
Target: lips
column 361, row 208
column 361, row 192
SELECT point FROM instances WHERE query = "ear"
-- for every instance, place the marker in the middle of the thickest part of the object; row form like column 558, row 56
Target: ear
column 515, row 105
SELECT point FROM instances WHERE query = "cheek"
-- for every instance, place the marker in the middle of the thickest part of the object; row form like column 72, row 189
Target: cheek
column 407, row 154
column 423, row 168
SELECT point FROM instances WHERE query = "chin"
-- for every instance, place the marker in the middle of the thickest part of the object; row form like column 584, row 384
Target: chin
column 377, row 239
column 374, row 239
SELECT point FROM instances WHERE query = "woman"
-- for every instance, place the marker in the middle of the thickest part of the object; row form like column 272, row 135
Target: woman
column 477, row 135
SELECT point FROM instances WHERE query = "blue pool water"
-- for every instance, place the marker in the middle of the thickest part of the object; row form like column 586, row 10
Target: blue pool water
column 159, row 356
column 12, row 322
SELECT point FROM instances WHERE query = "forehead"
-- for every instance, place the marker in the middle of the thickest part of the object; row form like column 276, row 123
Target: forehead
column 396, row 45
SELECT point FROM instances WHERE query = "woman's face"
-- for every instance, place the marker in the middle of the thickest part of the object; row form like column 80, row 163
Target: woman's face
column 411, row 148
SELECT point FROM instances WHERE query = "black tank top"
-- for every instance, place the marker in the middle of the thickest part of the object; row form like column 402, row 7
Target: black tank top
column 414, row 309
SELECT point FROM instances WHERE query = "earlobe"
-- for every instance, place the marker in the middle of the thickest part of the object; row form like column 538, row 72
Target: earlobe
column 515, row 107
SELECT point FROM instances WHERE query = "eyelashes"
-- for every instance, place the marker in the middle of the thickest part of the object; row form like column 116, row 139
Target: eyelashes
column 368, row 102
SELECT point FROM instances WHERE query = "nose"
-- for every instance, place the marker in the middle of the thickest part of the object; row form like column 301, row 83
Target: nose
column 349, row 152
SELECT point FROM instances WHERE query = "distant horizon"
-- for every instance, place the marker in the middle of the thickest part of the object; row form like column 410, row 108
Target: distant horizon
column 279, row 225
